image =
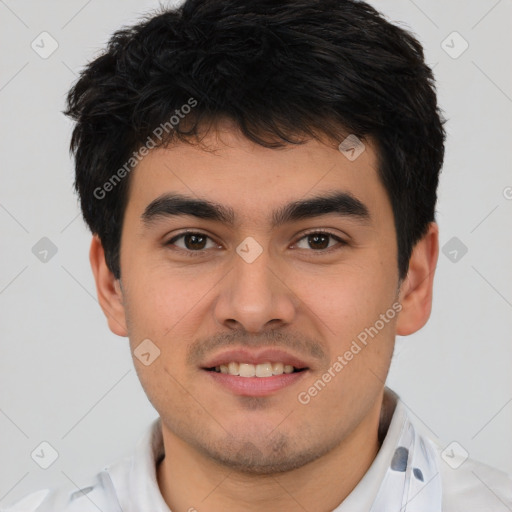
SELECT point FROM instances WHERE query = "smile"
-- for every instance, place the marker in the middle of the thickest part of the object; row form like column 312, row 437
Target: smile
column 264, row 370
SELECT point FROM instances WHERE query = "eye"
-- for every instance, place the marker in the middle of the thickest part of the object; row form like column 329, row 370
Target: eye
column 197, row 242
column 319, row 241
column 192, row 241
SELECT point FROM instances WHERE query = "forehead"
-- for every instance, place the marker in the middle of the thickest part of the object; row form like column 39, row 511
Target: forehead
column 248, row 181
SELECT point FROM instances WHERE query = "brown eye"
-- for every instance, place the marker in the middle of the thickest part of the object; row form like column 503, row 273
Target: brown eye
column 192, row 242
column 319, row 241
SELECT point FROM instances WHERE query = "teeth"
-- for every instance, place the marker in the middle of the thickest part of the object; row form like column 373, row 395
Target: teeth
column 264, row 370
column 277, row 368
column 233, row 368
column 247, row 370
column 251, row 370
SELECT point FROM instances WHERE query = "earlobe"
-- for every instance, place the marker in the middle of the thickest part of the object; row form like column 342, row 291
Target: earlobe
column 108, row 289
column 417, row 289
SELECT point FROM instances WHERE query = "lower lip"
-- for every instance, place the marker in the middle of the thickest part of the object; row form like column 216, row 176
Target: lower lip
column 256, row 386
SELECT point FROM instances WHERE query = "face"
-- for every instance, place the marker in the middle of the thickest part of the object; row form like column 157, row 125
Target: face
column 292, row 262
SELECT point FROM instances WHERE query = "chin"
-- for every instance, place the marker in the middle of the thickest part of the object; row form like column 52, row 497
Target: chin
column 266, row 456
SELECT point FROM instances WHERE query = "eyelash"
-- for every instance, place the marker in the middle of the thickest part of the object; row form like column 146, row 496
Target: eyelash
column 320, row 252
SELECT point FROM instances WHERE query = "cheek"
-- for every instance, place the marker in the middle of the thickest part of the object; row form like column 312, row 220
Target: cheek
column 159, row 298
column 358, row 323
column 348, row 299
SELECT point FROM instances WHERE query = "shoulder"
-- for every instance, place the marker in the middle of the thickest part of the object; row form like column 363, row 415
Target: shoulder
column 472, row 486
column 95, row 496
column 125, row 479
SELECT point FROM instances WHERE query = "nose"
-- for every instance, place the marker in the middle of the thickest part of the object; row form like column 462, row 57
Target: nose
column 255, row 296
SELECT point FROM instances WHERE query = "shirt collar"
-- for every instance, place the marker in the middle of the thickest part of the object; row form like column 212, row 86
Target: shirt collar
column 393, row 417
column 135, row 480
column 136, row 486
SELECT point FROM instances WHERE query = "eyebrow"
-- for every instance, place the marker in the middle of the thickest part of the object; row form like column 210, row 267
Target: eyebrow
column 342, row 203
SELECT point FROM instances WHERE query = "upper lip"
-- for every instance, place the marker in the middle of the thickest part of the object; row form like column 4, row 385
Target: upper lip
column 267, row 355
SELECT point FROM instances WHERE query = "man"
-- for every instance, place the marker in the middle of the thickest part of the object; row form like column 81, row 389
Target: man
column 260, row 179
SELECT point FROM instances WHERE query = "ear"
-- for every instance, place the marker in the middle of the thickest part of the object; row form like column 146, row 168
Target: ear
column 110, row 295
column 416, row 290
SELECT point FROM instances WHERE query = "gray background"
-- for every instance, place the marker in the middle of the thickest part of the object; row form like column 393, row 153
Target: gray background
column 67, row 380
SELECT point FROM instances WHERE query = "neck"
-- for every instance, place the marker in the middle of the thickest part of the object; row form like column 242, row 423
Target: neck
column 190, row 480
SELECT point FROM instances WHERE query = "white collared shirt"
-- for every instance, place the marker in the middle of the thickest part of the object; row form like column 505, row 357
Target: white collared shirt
column 420, row 482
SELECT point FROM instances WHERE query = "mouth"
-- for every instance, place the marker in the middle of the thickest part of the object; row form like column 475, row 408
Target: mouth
column 247, row 373
column 261, row 370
